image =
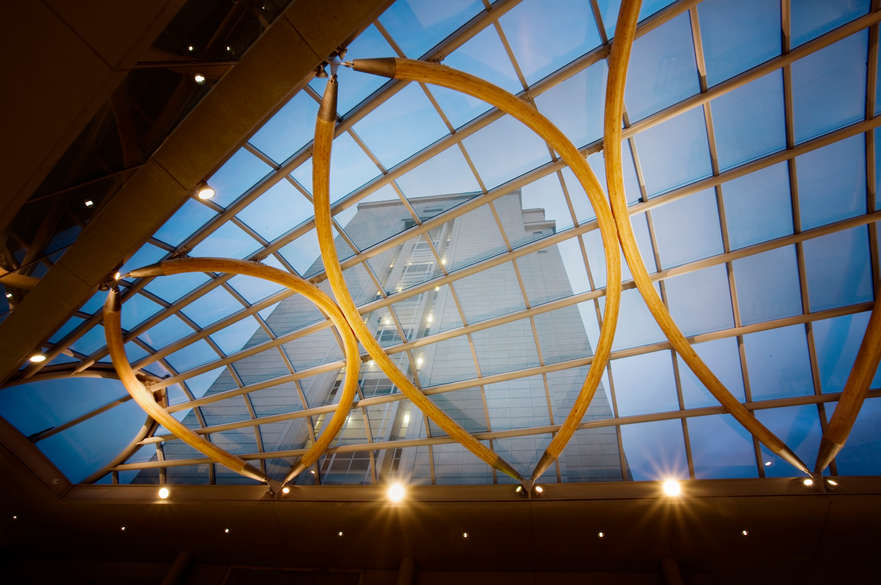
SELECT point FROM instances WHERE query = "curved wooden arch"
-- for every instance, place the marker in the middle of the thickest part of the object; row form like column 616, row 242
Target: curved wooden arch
column 625, row 32
column 145, row 399
column 421, row 71
column 854, row 393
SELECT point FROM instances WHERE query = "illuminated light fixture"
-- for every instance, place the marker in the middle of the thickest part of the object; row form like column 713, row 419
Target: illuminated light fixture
column 465, row 535
column 286, row 490
column 399, row 288
column 396, row 492
column 539, row 489
column 807, row 482
column 378, row 293
column 443, row 261
column 386, row 321
column 371, row 363
column 744, row 532
column 117, row 276
column 37, row 358
column 340, row 533
column 228, row 49
column 437, row 288
column 205, row 193
column 14, row 517
column 429, row 318
column 601, row 534
column 191, row 48
column 88, row 203
column 312, row 471
column 832, row 482
column 391, row 265
column 768, row 463
column 672, row 487
column 518, row 489
column 419, row 361
column 199, row 78
column 8, row 295
column 122, row 528
column 164, row 493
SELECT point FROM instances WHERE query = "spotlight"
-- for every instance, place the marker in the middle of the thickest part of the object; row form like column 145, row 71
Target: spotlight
column 228, row 49
column 37, row 358
column 672, row 487
column 191, row 48
column 807, row 482
column 396, row 492
column 465, row 535
column 518, row 489
column 122, row 528
column 8, row 295
column 744, row 532
column 437, row 288
column 539, row 490
column 340, row 533
column 205, row 193
column 285, row 490
column 14, row 517
column 164, row 493
column 419, row 361
column 88, row 203
column 312, row 471
column 768, row 463
column 117, row 276
column 199, row 78
column 832, row 482
column 226, row 530
column 601, row 534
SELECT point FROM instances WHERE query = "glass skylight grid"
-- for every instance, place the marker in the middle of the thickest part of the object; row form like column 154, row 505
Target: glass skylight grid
column 724, row 193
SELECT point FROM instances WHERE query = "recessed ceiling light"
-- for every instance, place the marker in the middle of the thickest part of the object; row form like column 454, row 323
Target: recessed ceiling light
column 226, row 530
column 88, row 203
column 312, row 471
column 228, row 49
column 539, row 489
column 37, row 358
column 8, row 295
column 672, row 487
column 199, row 78
column 340, row 533
column 163, row 493
column 122, row 528
column 768, row 463
column 831, row 482
column 464, row 535
column 14, row 517
column 205, row 193
column 808, row 482
column 396, row 492
column 285, row 490
column 744, row 532
column 191, row 48
column 601, row 534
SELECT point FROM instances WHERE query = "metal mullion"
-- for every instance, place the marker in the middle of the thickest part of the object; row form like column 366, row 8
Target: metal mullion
column 351, row 132
column 553, row 79
column 871, row 177
column 152, row 240
column 723, row 222
column 260, row 154
column 598, row 21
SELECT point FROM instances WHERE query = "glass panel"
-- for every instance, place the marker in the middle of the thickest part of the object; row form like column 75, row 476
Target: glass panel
column 737, row 35
column 778, row 363
column 314, row 349
column 446, row 361
column 466, row 407
column 292, row 313
column 700, row 301
column 636, row 326
column 799, row 428
column 377, row 217
column 662, row 69
column 453, row 464
column 478, row 305
column 576, row 105
column 518, row 404
column 505, row 348
column 405, row 123
column 418, row 25
column 811, row 18
column 171, row 288
column 523, row 151
column 253, row 289
column 191, row 216
column 655, row 450
column 688, row 229
column 545, row 36
column 146, row 255
column 234, row 337
column 861, row 454
column 645, row 384
column 136, row 309
column 165, row 332
column 227, row 241
column 91, row 341
column 749, row 121
column 768, row 190
column 561, row 333
column 236, row 176
column 195, row 354
column 609, row 11
column 631, row 183
column 289, row 129
column 563, row 388
column 304, row 253
column 349, row 167
column 553, row 273
column 838, row 269
column 723, row 359
column 721, row 448
column 212, row 306
column 767, row 285
column 69, row 326
column 837, row 342
column 829, row 87
column 445, row 173
column 675, row 152
column 278, row 210
column 832, row 182
column 591, row 455
column 523, row 453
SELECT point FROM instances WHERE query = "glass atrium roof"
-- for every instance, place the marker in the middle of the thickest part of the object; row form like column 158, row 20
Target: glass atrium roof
column 474, row 255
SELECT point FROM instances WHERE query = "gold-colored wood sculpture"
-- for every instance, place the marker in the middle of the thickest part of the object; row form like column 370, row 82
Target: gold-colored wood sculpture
column 527, row 114
column 625, row 32
column 854, row 393
column 144, row 397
